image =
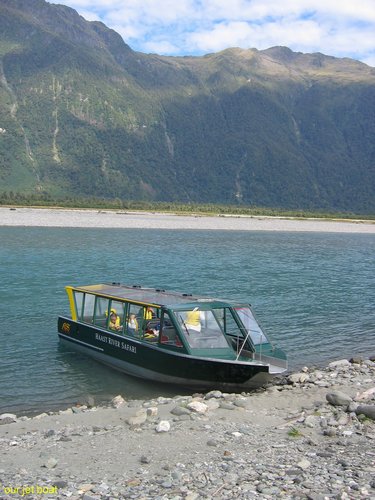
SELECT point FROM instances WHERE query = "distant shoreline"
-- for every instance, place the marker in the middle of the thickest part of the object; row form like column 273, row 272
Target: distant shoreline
column 93, row 218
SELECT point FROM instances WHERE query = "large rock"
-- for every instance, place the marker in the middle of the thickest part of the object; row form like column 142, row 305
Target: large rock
column 7, row 418
column 341, row 363
column 338, row 398
column 367, row 410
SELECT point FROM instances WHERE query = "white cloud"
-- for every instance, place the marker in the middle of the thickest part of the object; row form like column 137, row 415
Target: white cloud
column 343, row 28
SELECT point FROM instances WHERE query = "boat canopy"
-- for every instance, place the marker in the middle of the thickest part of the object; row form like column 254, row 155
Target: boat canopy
column 172, row 320
column 154, row 296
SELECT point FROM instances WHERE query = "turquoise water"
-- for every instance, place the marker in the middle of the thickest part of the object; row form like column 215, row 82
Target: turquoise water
column 314, row 293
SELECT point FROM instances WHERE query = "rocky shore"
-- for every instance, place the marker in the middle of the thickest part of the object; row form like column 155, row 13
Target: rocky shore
column 308, row 435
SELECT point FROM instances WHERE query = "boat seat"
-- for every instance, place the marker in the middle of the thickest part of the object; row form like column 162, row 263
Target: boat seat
column 169, row 337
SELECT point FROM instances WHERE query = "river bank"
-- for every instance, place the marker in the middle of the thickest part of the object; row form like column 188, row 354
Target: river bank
column 308, row 435
column 46, row 217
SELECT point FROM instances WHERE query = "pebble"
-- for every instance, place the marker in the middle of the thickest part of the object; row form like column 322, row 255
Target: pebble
column 197, row 407
column 163, row 426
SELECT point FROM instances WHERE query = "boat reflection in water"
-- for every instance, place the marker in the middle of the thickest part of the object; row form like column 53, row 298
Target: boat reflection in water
column 195, row 342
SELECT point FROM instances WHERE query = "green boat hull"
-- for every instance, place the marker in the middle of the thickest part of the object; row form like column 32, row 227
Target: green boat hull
column 157, row 363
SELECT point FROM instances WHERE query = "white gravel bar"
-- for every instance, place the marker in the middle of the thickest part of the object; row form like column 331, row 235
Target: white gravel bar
column 56, row 217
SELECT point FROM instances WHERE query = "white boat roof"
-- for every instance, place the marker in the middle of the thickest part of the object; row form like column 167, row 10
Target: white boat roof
column 152, row 296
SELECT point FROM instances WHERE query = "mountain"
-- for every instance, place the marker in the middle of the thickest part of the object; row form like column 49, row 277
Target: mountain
column 82, row 114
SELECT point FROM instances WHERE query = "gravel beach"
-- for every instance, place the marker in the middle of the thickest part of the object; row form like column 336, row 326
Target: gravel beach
column 45, row 217
column 308, row 435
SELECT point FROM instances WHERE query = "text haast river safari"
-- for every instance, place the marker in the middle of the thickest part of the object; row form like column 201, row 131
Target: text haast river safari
column 195, row 342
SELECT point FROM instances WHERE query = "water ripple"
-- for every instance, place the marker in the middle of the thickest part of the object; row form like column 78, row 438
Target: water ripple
column 314, row 293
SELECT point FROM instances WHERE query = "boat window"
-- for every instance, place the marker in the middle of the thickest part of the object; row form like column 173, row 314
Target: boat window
column 88, row 308
column 78, row 297
column 251, row 325
column 133, row 321
column 148, row 323
column 168, row 334
column 230, row 325
column 151, row 325
column 101, row 311
column 116, row 316
column 202, row 329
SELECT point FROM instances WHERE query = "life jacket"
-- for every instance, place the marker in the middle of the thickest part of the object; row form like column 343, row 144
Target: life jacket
column 193, row 318
column 148, row 313
column 133, row 323
column 114, row 325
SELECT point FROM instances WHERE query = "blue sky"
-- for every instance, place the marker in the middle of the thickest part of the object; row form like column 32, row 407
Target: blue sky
column 341, row 28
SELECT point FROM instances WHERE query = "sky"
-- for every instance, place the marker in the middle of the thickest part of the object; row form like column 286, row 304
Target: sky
column 340, row 28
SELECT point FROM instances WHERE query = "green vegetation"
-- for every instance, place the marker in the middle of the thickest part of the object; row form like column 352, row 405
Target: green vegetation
column 46, row 200
column 294, row 433
column 86, row 121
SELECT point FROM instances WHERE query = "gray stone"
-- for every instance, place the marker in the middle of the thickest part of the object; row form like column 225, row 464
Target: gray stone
column 118, row 401
column 356, row 360
column 298, row 378
column 331, row 432
column 152, row 411
column 163, row 426
column 342, row 363
column 338, row 398
column 90, row 401
column 352, row 407
column 197, row 407
column 367, row 410
column 60, row 484
column 49, row 433
column 212, row 442
column 7, row 418
column 50, row 463
column 227, row 406
column 213, row 404
column 304, row 464
column 138, row 419
column 312, row 421
column 241, row 403
column 180, row 410
column 77, row 409
column 214, row 394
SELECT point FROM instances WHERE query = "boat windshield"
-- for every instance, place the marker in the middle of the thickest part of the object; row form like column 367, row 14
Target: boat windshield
column 216, row 327
column 207, row 328
column 251, row 325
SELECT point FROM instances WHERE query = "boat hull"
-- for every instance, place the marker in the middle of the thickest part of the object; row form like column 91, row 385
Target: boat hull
column 153, row 362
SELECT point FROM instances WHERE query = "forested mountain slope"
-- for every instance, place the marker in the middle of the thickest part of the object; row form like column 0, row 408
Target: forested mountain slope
column 82, row 114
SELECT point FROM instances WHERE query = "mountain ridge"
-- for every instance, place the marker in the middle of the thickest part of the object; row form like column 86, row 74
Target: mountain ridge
column 85, row 115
